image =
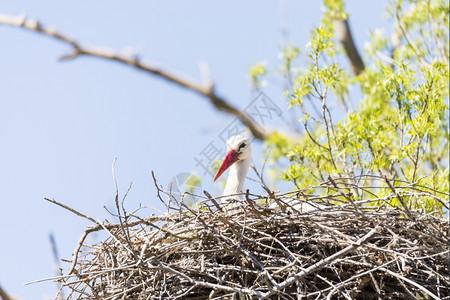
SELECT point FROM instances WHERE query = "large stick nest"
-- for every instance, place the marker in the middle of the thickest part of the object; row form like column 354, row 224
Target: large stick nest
column 350, row 250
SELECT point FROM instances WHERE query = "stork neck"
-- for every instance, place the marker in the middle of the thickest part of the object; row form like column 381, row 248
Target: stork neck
column 236, row 177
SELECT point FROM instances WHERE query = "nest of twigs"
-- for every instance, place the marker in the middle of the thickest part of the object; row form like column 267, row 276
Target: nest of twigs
column 349, row 250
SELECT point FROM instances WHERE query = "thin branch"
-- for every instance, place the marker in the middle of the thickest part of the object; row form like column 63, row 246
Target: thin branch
column 206, row 89
column 77, row 250
column 410, row 42
column 71, row 210
column 408, row 212
column 116, row 200
column 349, row 199
column 258, row 174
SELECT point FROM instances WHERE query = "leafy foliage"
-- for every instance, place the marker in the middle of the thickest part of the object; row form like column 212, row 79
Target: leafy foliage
column 256, row 72
column 400, row 127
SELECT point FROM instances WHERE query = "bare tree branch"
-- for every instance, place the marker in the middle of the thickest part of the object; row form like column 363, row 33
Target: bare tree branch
column 206, row 89
column 344, row 35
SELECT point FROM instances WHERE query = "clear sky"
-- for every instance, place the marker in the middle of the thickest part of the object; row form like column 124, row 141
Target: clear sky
column 63, row 123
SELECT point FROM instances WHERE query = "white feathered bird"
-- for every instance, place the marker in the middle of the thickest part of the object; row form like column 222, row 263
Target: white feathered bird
column 238, row 159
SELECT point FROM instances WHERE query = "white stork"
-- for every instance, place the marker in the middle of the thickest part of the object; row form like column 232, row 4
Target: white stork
column 238, row 159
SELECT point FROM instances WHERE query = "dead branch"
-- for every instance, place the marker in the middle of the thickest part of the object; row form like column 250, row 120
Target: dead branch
column 206, row 89
column 70, row 209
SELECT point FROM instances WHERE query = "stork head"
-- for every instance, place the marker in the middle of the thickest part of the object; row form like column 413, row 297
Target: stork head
column 238, row 149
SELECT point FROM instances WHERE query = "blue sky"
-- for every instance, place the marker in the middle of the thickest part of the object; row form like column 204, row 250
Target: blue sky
column 63, row 123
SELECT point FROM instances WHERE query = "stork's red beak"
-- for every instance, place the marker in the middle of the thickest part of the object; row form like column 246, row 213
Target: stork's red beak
column 231, row 158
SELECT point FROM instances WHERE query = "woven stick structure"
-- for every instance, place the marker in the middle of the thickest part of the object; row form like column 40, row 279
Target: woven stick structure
column 345, row 248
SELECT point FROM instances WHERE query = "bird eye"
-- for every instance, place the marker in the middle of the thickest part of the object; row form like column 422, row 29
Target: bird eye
column 242, row 146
